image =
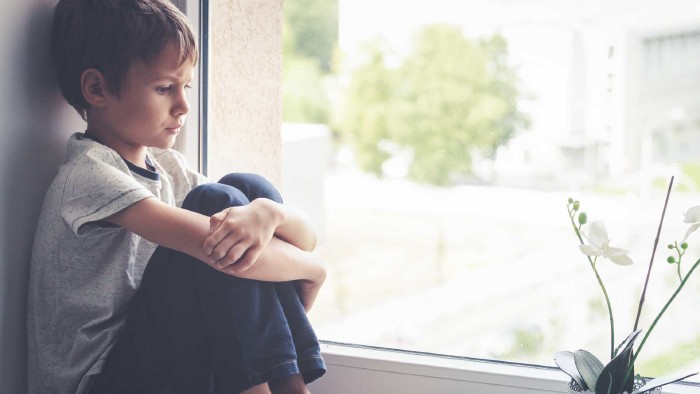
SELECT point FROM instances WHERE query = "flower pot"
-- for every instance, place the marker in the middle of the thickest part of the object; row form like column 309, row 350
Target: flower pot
column 638, row 383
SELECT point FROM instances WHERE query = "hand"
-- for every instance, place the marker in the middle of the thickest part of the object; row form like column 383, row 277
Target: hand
column 238, row 235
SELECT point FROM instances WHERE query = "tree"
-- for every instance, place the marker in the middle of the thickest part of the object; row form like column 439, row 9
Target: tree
column 304, row 96
column 451, row 95
column 310, row 36
column 313, row 25
column 367, row 110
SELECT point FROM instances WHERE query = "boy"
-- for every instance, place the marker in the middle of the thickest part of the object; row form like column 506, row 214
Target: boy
column 219, row 306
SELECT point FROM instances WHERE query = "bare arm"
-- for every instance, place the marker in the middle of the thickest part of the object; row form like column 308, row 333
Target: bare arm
column 296, row 229
column 291, row 225
column 186, row 231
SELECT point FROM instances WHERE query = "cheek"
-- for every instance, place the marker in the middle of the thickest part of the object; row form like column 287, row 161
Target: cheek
column 144, row 109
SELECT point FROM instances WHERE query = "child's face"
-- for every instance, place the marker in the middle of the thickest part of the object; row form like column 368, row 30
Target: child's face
column 152, row 105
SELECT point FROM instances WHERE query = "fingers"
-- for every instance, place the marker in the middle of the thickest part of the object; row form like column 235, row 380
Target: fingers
column 236, row 238
column 242, row 263
column 217, row 233
column 248, row 258
column 216, row 220
column 227, row 249
column 236, row 249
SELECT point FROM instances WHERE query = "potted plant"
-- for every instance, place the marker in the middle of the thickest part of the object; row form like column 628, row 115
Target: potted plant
column 587, row 372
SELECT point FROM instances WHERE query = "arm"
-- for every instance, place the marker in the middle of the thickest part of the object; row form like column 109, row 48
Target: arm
column 291, row 226
column 186, row 231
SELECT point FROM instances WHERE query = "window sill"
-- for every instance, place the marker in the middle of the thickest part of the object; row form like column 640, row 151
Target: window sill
column 360, row 369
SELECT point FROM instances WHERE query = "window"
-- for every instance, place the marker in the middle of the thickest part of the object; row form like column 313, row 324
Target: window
column 189, row 140
column 436, row 148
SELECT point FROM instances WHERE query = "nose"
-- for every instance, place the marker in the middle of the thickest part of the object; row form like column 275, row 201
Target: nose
column 181, row 106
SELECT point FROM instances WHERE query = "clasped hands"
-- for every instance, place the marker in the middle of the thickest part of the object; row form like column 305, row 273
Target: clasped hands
column 238, row 235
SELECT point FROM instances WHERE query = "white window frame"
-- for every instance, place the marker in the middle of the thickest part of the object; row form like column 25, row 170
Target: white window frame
column 363, row 369
column 190, row 142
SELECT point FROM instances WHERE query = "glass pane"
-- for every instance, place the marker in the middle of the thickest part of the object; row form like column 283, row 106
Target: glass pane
column 436, row 144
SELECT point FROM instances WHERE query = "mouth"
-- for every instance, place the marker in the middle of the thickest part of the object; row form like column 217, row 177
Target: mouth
column 173, row 130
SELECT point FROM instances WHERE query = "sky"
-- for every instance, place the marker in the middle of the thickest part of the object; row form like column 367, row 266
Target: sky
column 396, row 19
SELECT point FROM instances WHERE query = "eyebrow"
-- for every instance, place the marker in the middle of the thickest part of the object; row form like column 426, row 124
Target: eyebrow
column 171, row 78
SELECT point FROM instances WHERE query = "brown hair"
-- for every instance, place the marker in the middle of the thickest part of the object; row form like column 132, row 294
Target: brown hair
column 109, row 35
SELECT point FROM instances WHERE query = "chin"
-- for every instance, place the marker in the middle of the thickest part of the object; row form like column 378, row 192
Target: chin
column 166, row 144
column 170, row 144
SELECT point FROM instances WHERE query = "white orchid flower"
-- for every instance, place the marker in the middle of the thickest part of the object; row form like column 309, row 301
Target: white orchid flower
column 599, row 245
column 691, row 216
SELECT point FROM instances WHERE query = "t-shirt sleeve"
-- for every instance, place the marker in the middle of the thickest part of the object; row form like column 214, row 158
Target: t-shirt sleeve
column 96, row 188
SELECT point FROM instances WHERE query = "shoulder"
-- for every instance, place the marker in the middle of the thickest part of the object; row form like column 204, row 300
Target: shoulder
column 182, row 179
column 88, row 165
column 93, row 170
column 175, row 164
column 170, row 159
column 85, row 155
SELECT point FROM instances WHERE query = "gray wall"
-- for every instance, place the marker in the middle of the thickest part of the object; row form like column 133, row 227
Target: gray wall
column 34, row 125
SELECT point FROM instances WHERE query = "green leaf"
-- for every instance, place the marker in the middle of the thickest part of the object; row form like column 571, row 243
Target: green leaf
column 628, row 341
column 613, row 374
column 588, row 366
column 566, row 362
column 658, row 382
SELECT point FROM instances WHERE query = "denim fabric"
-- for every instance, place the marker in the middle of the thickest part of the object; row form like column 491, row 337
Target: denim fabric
column 192, row 329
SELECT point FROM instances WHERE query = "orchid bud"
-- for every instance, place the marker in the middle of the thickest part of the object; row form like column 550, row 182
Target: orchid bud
column 582, row 218
column 670, row 246
column 684, row 245
column 576, row 205
column 671, row 260
column 571, row 200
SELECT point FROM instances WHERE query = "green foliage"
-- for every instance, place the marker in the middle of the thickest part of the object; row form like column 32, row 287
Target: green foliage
column 313, row 29
column 366, row 119
column 692, row 171
column 309, row 39
column 672, row 359
column 528, row 341
column 451, row 95
column 303, row 93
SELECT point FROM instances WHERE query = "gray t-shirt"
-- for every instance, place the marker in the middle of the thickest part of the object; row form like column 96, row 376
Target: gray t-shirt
column 84, row 270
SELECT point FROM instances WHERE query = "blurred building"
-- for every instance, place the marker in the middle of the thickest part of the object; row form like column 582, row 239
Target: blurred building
column 613, row 96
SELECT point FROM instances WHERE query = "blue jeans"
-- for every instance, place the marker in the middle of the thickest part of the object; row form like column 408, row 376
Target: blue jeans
column 192, row 329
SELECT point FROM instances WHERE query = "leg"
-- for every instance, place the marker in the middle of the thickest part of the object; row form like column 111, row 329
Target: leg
column 191, row 325
column 272, row 333
column 162, row 345
column 305, row 341
column 252, row 186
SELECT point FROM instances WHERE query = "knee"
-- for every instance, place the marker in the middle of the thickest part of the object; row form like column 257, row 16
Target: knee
column 253, row 186
column 211, row 198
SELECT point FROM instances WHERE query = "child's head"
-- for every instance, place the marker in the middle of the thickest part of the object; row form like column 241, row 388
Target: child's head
column 109, row 36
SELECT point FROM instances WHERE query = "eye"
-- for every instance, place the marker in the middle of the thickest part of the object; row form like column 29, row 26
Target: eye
column 163, row 89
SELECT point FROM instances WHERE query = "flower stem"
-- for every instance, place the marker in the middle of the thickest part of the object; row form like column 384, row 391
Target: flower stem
column 651, row 261
column 610, row 313
column 572, row 214
column 679, row 251
column 658, row 317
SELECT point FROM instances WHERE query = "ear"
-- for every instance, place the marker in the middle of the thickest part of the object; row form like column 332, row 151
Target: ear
column 94, row 87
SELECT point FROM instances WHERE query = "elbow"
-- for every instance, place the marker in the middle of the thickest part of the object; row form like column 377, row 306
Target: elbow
column 311, row 243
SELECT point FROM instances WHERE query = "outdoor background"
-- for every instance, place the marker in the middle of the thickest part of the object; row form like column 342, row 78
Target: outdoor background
column 435, row 145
